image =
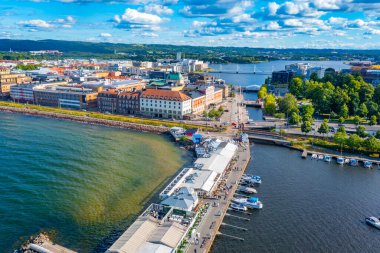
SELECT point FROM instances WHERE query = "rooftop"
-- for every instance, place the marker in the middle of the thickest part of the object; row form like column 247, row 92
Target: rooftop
column 165, row 95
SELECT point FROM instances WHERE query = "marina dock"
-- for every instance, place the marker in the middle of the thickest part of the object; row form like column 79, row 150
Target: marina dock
column 307, row 153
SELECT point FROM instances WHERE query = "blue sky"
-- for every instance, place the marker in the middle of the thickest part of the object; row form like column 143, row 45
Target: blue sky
column 256, row 23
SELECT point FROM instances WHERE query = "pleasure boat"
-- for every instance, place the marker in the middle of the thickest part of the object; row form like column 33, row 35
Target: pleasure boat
column 239, row 201
column 368, row 164
column 247, row 190
column 340, row 160
column 320, row 157
column 238, row 207
column 347, row 161
column 253, row 203
column 354, row 162
column 252, row 179
column 314, row 156
column 328, row 158
column 373, row 221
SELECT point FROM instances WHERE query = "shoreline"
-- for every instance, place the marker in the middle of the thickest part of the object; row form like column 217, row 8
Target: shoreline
column 87, row 120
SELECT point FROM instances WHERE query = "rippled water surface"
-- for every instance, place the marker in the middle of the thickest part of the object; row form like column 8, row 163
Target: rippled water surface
column 309, row 206
column 82, row 183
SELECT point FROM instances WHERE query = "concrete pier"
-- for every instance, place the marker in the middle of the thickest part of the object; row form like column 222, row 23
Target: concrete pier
column 216, row 213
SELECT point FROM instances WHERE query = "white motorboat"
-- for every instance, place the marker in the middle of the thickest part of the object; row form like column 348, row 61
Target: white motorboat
column 239, row 200
column 368, row 164
column 314, row 156
column 354, row 162
column 252, row 179
column 247, row 190
column 373, row 221
column 320, row 157
column 340, row 160
column 238, row 207
column 253, row 203
column 328, row 158
column 346, row 161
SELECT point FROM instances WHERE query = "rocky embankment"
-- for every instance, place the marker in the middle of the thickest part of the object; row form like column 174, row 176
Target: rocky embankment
column 88, row 120
column 38, row 240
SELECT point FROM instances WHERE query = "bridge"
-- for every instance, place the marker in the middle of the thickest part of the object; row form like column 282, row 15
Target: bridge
column 257, row 104
column 255, row 71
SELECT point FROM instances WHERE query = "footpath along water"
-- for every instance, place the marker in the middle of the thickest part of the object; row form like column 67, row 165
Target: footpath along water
column 81, row 182
column 309, row 206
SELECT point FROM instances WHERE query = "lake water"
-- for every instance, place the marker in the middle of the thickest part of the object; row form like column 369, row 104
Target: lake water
column 259, row 79
column 82, row 183
column 309, row 206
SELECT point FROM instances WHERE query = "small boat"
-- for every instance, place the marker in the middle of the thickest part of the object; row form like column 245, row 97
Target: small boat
column 314, row 156
column 247, row 190
column 252, row 180
column 253, row 203
column 238, row 207
column 354, row 162
column 239, row 200
column 320, row 157
column 367, row 164
column 328, row 158
column 347, row 161
column 373, row 221
column 340, row 160
column 256, row 179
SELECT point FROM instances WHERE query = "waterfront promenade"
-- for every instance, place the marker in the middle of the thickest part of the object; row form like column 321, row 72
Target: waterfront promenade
column 212, row 220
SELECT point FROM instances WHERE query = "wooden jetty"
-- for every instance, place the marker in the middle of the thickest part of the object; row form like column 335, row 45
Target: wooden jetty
column 335, row 156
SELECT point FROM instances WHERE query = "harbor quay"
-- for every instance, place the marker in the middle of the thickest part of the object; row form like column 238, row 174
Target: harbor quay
column 192, row 206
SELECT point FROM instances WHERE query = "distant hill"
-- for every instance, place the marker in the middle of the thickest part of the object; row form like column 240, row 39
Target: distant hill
column 155, row 51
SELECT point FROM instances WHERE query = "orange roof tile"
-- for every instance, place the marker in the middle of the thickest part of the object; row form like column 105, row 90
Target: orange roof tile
column 165, row 95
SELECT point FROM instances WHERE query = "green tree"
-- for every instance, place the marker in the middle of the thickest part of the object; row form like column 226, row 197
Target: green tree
column 314, row 76
column 270, row 104
column 377, row 135
column 373, row 108
column 263, row 92
column 363, row 111
column 360, row 130
column 294, row 118
column 324, row 127
column 288, row 104
column 366, row 92
column 307, row 111
column 372, row 144
column 344, row 111
column 341, row 120
column 354, row 141
column 296, row 87
column 373, row 120
column 357, row 120
column 376, row 95
column 341, row 129
column 306, row 127
column 340, row 138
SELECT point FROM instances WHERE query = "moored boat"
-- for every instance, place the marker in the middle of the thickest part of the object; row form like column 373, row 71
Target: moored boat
column 347, row 161
column 373, row 221
column 328, row 158
column 354, row 162
column 320, row 157
column 314, row 156
column 340, row 160
column 368, row 164
column 253, row 203
column 238, row 207
column 247, row 190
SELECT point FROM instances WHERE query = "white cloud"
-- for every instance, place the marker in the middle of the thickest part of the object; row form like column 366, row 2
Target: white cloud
column 273, row 7
column 158, row 9
column 105, row 35
column 337, row 20
column 273, row 25
column 328, row 4
column 134, row 19
column 149, row 35
column 293, row 22
column 36, row 24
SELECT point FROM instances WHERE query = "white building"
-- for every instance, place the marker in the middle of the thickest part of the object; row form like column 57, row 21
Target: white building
column 165, row 103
